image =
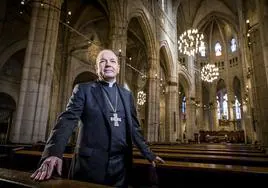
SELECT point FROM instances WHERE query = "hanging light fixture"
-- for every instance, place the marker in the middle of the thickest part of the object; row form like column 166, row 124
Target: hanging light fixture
column 190, row 41
column 141, row 98
column 209, row 73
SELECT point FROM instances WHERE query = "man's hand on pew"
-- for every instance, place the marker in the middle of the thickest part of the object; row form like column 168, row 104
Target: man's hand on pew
column 44, row 172
column 157, row 160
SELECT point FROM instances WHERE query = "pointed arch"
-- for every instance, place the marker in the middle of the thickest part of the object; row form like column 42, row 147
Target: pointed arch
column 12, row 49
column 221, row 16
column 165, row 51
column 237, row 88
column 184, row 80
column 221, row 84
column 84, row 77
column 7, row 109
column 146, row 27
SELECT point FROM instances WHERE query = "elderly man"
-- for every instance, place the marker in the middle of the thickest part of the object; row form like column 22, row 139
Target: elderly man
column 110, row 126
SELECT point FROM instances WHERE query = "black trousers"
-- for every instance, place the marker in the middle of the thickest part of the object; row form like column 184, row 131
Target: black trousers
column 116, row 172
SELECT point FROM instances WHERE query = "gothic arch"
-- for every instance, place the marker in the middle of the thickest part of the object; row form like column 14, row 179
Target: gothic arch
column 7, row 109
column 237, row 88
column 164, row 48
column 88, row 19
column 7, row 101
column 12, row 49
column 184, row 80
column 84, row 77
column 84, row 9
column 228, row 19
column 221, row 85
column 147, row 31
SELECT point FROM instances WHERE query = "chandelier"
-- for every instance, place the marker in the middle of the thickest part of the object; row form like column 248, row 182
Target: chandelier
column 190, row 41
column 141, row 98
column 209, row 73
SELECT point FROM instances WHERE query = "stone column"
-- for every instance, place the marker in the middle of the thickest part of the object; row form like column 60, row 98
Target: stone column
column 118, row 34
column 172, row 104
column 213, row 120
column 153, row 118
column 231, row 113
column 246, row 63
column 262, row 6
column 190, row 116
column 33, row 106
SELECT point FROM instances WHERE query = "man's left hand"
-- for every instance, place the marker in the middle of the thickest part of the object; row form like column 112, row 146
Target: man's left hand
column 157, row 160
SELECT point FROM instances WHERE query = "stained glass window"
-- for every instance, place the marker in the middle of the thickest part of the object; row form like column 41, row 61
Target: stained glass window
column 233, row 45
column 237, row 109
column 202, row 49
column 218, row 49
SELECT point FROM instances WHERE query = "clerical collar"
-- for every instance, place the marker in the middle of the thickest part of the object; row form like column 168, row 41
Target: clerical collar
column 109, row 84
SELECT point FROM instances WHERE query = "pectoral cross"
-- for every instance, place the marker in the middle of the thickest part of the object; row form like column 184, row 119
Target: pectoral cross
column 115, row 119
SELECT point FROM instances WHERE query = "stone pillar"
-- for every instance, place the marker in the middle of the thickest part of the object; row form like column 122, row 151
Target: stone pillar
column 172, row 104
column 31, row 120
column 190, row 116
column 246, row 63
column 231, row 109
column 153, row 118
column 262, row 6
column 213, row 119
column 118, row 34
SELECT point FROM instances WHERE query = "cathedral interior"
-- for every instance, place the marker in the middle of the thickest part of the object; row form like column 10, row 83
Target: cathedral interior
column 198, row 69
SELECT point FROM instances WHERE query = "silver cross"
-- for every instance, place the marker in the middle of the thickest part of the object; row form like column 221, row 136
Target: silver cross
column 115, row 119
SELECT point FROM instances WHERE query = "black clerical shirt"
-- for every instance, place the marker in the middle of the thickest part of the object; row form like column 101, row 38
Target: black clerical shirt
column 118, row 133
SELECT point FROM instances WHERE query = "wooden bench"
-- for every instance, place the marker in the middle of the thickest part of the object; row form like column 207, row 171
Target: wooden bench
column 190, row 172
column 179, row 164
column 205, row 152
column 212, row 147
column 15, row 178
column 176, row 174
column 218, row 159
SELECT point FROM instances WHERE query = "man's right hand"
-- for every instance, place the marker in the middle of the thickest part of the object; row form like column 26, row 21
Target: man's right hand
column 44, row 172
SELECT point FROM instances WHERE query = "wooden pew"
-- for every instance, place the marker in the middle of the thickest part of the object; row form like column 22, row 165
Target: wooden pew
column 205, row 152
column 178, row 164
column 208, row 147
column 191, row 157
column 218, row 159
column 15, row 178
column 176, row 174
column 190, row 172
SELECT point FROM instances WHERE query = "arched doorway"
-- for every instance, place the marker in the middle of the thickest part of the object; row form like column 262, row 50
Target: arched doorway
column 84, row 77
column 137, row 68
column 7, row 108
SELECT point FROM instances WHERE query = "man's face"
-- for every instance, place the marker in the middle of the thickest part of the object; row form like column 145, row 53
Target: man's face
column 107, row 65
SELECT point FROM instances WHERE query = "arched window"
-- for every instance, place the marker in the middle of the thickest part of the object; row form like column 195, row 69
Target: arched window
column 222, row 107
column 225, row 107
column 183, row 105
column 218, row 49
column 218, row 108
column 202, row 49
column 183, row 108
column 237, row 109
column 233, row 45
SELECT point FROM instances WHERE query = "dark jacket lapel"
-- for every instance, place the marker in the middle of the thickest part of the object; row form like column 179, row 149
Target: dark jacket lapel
column 97, row 93
column 125, row 99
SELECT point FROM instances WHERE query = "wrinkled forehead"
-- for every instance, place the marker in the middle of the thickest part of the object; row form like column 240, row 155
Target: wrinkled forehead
column 107, row 55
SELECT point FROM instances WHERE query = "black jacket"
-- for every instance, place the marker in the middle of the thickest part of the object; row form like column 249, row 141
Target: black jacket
column 91, row 157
